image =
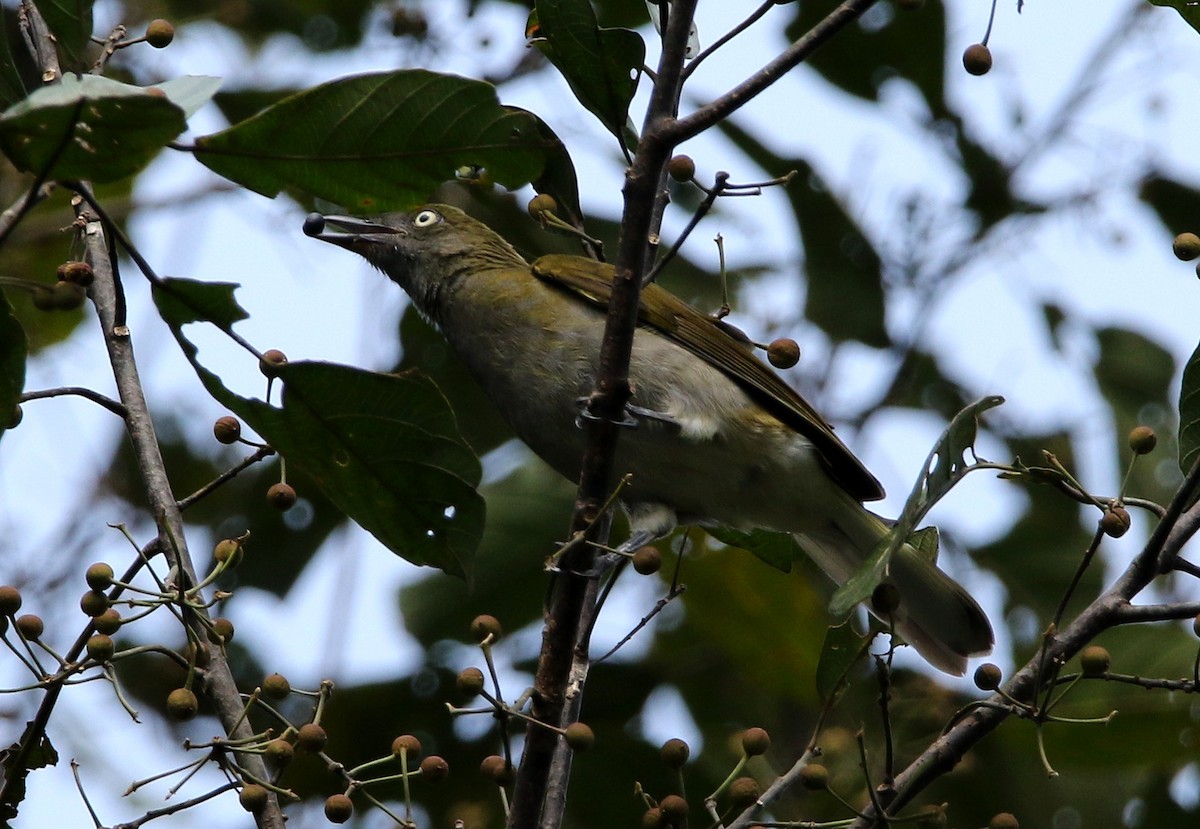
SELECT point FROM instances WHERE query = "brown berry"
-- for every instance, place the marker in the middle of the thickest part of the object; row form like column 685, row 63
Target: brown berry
column 227, row 429
column 1095, row 660
column 280, row 752
column 783, row 352
column 108, row 622
column 540, row 203
column 885, row 599
column 1142, row 440
column 652, row 818
column 484, row 625
column 1004, row 820
column 93, row 603
column 281, row 496
column 228, row 551
column 271, row 362
column 434, row 768
column 674, row 809
column 14, row 420
column 406, row 744
column 338, row 808
column 78, row 272
column 275, row 686
column 755, row 741
column 469, row 682
column 100, row 647
column 30, row 626
column 743, row 792
column 99, row 576
column 977, row 59
column 496, row 769
column 988, row 676
column 222, row 631
column 1186, row 246
column 182, row 704
column 579, row 736
column 311, row 737
column 253, row 797
column 1115, row 522
column 10, row 600
column 674, row 753
column 681, row 168
column 814, row 777
column 160, row 33
column 647, row 561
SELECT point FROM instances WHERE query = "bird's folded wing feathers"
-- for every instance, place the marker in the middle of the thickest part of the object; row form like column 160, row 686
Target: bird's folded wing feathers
column 732, row 355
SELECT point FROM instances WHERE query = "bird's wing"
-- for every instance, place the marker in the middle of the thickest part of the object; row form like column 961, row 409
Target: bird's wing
column 730, row 352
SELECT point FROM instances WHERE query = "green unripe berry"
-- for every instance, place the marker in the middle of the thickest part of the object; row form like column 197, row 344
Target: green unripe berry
column 988, row 676
column 338, row 808
column 647, row 561
column 253, row 797
column 311, row 737
column 100, row 647
column 814, row 777
column 1095, row 660
column 484, row 625
column 182, row 704
column 99, row 576
column 579, row 736
column 674, row 753
column 1142, row 440
column 434, row 768
column 977, row 59
column 755, row 741
column 160, row 33
column 469, row 682
column 783, row 352
column 10, row 600
column 93, row 603
column 1186, row 246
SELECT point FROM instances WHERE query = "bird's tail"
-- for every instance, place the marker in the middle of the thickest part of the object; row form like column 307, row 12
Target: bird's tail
column 937, row 615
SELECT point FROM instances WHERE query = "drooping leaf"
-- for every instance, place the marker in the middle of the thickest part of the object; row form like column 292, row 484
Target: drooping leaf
column 71, row 23
column 384, row 448
column 843, row 648
column 1189, row 413
column 379, row 141
column 602, row 66
column 1187, row 10
column 95, row 128
column 776, row 549
column 13, row 351
column 558, row 176
column 39, row 756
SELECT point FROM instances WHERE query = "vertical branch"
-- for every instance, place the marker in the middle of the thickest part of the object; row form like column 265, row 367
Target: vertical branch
column 106, row 294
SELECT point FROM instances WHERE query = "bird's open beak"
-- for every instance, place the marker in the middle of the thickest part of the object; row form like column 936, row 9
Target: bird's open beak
column 350, row 232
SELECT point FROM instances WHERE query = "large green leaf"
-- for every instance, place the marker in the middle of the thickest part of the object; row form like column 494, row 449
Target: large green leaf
column 1189, row 413
column 13, row 351
column 380, row 141
column 602, row 66
column 71, row 23
column 95, row 128
column 384, row 448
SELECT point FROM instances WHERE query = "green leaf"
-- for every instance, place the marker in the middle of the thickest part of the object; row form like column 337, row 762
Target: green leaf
column 558, row 177
column 864, row 580
column 842, row 649
column 95, row 128
column 1189, row 413
column 380, row 141
column 925, row 542
column 1187, row 10
column 13, row 351
column 776, row 549
column 71, row 23
column 602, row 66
column 384, row 448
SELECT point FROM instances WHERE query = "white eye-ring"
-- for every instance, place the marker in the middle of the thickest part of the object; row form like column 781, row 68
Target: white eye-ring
column 426, row 218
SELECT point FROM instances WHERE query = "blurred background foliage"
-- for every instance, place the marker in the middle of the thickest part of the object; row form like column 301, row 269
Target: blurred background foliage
column 740, row 646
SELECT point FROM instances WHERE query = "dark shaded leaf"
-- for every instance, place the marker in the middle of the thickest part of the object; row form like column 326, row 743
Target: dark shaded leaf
column 866, row 577
column 12, row 86
column 384, row 448
column 558, row 176
column 776, row 549
column 602, row 66
column 95, row 128
column 71, row 23
column 843, row 647
column 41, row 755
column 13, row 351
column 1176, row 203
column 1189, row 413
column 380, row 141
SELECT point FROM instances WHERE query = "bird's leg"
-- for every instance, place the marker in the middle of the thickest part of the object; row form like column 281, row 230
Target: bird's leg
column 633, row 416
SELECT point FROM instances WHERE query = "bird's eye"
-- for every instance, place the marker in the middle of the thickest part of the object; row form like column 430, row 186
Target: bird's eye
column 426, row 218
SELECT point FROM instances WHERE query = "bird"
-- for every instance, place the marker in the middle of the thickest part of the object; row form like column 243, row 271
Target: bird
column 719, row 438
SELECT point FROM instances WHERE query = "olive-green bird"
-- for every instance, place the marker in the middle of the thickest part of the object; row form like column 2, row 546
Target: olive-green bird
column 720, row 439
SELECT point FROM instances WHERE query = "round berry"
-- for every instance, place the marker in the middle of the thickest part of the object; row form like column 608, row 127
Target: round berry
column 674, row 809
column 10, row 600
column 1115, row 522
column 31, row 626
column 743, row 792
column 1004, row 820
column 78, row 272
column 314, row 224
column 579, row 736
column 674, row 753
column 227, row 429
column 647, row 561
column 281, row 496
column 67, row 296
column 885, row 599
column 988, row 676
column 222, row 631
column 93, row 603
column 108, row 622
column 1095, row 660
column 469, row 682
column 271, row 362
column 1142, row 440
column 228, row 551
column 814, row 777
column 160, row 33
column 1186, row 246
column 540, row 203
column 182, row 704
column 496, row 768
column 99, row 576
column 14, row 420
column 253, row 797
column 338, row 808
column 652, row 818
column 755, row 741
column 434, row 768
column 311, row 737
column 275, row 686
column 783, row 352
column 100, row 647
column 977, row 59
column 484, row 625
column 280, row 752
column 681, row 168
column 406, row 744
